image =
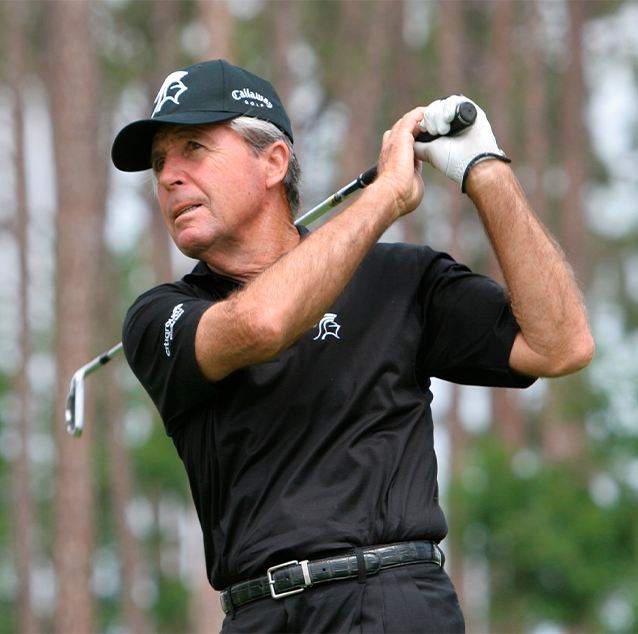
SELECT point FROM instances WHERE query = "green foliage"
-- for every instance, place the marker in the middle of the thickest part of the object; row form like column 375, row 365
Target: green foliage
column 553, row 553
column 157, row 465
column 8, row 610
column 8, row 617
column 171, row 608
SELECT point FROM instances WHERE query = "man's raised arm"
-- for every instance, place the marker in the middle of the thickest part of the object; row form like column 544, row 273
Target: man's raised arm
column 555, row 338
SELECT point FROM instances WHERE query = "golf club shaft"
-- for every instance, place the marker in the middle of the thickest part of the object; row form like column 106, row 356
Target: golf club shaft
column 74, row 411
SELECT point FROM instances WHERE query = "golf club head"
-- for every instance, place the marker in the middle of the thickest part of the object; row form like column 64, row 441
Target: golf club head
column 74, row 410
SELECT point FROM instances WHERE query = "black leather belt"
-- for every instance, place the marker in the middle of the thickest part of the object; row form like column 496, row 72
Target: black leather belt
column 295, row 576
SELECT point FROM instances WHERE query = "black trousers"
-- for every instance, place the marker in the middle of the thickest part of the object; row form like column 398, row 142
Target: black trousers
column 417, row 598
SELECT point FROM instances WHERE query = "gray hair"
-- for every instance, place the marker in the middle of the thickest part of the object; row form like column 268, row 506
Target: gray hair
column 259, row 134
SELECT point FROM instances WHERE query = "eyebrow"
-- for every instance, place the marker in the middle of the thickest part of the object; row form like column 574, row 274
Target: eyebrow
column 178, row 131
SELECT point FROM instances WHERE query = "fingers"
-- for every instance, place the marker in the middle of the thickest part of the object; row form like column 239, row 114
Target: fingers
column 438, row 115
column 399, row 169
column 406, row 128
column 434, row 119
column 398, row 142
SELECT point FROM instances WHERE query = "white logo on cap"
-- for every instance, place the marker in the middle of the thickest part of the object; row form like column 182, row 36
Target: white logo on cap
column 249, row 97
column 172, row 82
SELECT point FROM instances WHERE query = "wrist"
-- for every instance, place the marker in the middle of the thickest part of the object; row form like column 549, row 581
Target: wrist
column 383, row 196
column 485, row 157
column 483, row 175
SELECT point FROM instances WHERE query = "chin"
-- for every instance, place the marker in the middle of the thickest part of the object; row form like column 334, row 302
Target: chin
column 191, row 252
column 192, row 246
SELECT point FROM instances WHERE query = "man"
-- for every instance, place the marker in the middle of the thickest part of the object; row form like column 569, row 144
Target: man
column 292, row 369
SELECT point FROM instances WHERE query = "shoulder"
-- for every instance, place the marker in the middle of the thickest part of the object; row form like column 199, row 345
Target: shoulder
column 201, row 285
column 157, row 311
column 409, row 260
column 157, row 303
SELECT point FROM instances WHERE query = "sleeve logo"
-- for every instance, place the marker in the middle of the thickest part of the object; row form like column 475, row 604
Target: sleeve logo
column 178, row 311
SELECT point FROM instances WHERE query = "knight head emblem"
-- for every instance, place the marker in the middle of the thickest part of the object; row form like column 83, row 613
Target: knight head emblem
column 328, row 326
column 171, row 90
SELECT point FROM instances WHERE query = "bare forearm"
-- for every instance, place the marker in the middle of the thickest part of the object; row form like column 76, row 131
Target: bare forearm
column 555, row 336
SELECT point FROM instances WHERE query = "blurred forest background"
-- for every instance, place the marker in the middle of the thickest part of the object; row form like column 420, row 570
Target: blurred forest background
column 98, row 534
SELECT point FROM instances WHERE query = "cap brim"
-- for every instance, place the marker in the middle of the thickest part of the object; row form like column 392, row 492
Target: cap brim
column 131, row 151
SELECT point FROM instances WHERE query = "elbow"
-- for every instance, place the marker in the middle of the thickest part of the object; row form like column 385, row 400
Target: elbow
column 228, row 339
column 268, row 334
column 589, row 349
column 267, row 329
column 575, row 357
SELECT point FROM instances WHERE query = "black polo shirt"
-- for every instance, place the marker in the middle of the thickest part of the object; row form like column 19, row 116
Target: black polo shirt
column 330, row 444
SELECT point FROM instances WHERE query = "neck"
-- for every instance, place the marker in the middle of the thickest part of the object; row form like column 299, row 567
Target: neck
column 257, row 248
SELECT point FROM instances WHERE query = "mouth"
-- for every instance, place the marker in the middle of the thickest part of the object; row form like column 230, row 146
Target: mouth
column 185, row 210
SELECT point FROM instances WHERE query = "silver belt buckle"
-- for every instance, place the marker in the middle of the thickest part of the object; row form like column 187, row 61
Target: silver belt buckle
column 271, row 580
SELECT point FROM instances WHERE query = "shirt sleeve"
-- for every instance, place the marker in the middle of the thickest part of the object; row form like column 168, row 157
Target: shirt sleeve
column 159, row 344
column 469, row 327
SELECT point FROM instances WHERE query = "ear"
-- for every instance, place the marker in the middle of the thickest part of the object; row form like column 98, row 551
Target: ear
column 276, row 156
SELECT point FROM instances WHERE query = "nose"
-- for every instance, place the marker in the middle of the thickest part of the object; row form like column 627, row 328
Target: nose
column 172, row 172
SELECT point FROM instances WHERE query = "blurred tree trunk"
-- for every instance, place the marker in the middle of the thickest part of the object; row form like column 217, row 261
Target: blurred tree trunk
column 564, row 440
column 404, row 73
column 285, row 28
column 363, row 26
column 218, row 21
column 120, row 468
column 23, row 503
column 500, row 72
column 506, row 411
column 450, row 60
column 536, row 126
column 73, row 88
column 573, row 142
column 121, row 482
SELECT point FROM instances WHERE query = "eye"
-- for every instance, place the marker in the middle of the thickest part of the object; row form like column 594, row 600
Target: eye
column 158, row 164
column 194, row 145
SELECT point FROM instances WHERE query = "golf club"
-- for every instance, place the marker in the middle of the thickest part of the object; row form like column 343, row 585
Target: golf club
column 74, row 410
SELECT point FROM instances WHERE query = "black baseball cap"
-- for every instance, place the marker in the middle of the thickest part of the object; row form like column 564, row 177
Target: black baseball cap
column 209, row 92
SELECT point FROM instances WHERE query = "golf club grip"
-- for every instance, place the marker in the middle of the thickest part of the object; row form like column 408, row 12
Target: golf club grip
column 464, row 117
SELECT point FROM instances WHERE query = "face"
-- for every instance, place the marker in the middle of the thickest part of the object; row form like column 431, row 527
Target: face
column 210, row 186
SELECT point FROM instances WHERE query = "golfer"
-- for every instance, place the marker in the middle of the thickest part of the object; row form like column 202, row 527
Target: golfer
column 292, row 368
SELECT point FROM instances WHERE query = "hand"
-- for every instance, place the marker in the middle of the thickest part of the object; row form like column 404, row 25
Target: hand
column 399, row 170
column 456, row 155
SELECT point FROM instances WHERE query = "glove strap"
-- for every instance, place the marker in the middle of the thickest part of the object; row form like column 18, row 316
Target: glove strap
column 482, row 157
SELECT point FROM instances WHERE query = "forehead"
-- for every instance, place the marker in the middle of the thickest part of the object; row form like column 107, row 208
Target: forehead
column 174, row 132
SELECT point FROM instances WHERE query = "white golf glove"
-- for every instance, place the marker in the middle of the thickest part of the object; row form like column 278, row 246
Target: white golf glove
column 456, row 155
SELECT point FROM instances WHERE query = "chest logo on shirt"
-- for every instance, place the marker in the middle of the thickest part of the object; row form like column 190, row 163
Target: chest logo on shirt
column 328, row 326
column 178, row 311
